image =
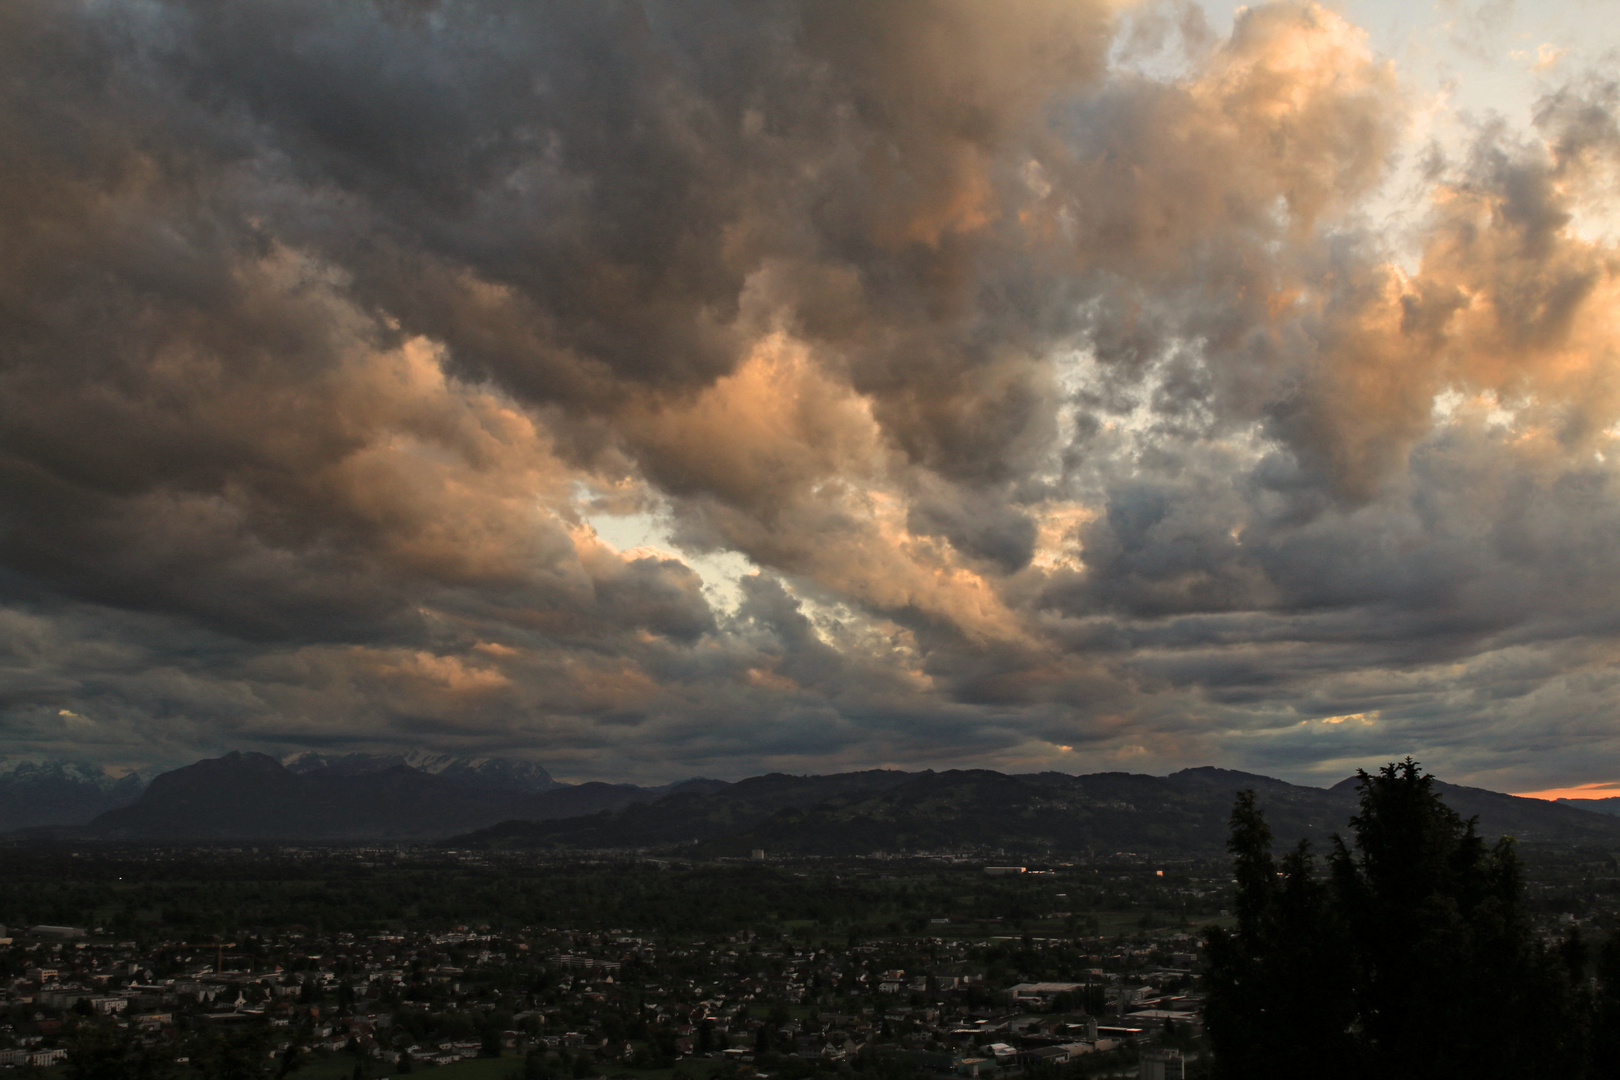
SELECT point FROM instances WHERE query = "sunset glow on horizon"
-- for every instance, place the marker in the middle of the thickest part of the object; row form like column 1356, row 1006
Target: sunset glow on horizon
column 1584, row 791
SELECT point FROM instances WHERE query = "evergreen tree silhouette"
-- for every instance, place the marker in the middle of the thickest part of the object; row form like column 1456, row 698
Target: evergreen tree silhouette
column 1413, row 957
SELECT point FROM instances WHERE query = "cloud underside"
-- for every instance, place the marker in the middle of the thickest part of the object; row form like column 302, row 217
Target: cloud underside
column 1065, row 415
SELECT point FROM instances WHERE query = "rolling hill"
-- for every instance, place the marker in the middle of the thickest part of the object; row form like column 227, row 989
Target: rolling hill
column 1031, row 815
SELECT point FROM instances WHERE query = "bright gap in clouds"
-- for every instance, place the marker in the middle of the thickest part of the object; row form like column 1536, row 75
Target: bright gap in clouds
column 1470, row 65
column 720, row 570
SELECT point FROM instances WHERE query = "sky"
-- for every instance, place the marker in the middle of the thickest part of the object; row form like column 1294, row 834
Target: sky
column 707, row 389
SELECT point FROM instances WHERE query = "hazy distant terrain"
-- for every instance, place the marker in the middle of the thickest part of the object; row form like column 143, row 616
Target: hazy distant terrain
column 35, row 794
column 1597, row 806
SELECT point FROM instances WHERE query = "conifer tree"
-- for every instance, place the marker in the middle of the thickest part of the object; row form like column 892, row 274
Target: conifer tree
column 1413, row 956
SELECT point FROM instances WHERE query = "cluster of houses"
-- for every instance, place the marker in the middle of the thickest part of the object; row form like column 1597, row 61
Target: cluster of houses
column 607, row 999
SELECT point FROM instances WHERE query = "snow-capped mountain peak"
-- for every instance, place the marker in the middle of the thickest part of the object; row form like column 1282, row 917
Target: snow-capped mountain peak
column 18, row 770
column 498, row 773
column 36, row 792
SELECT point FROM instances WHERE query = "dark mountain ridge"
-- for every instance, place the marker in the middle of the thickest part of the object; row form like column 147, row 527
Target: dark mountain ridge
column 1529, row 820
column 1610, row 805
column 241, row 796
column 359, row 797
column 688, row 816
column 1023, row 815
column 253, row 796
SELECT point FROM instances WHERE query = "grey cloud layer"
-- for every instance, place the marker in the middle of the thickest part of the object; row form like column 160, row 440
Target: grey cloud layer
column 1071, row 417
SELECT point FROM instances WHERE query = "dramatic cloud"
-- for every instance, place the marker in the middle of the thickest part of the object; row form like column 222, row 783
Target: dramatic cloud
column 1037, row 384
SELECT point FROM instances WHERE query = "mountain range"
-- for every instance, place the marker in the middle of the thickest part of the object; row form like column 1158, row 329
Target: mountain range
column 501, row 803
column 357, row 797
column 1027, row 815
column 36, row 794
column 484, row 773
column 350, row 797
column 355, row 794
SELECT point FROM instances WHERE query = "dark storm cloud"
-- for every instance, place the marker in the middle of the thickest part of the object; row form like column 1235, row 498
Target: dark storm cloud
column 1056, row 406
